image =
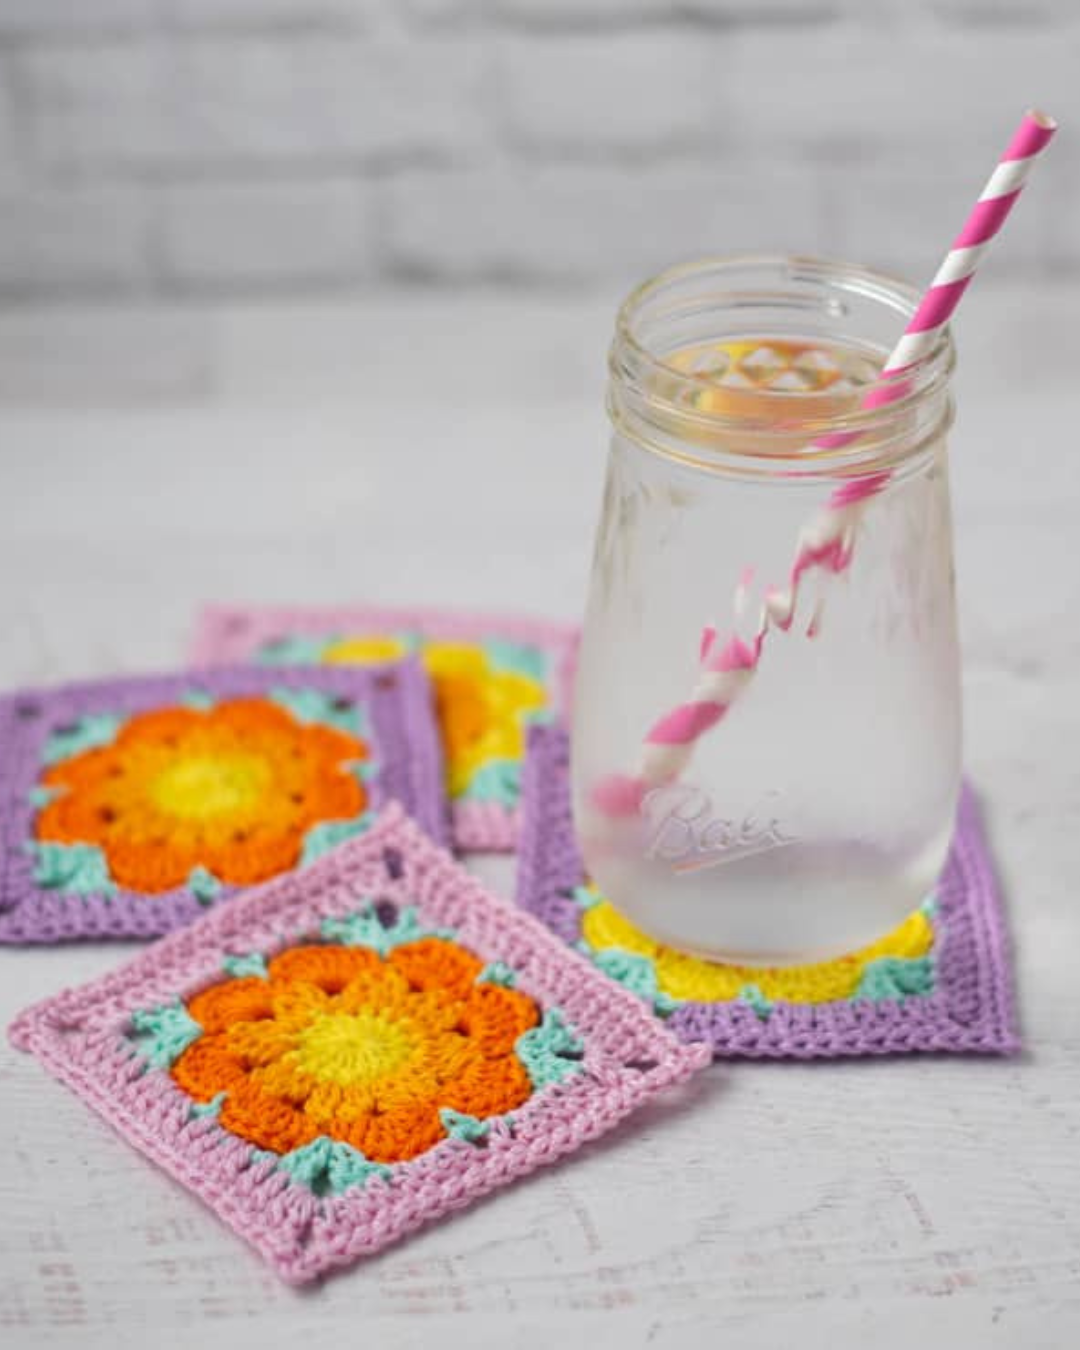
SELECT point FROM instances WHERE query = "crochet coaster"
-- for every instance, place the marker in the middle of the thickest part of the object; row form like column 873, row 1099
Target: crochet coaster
column 492, row 676
column 350, row 1051
column 128, row 805
column 940, row 981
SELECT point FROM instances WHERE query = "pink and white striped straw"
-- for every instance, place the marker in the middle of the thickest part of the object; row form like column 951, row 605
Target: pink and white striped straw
column 827, row 542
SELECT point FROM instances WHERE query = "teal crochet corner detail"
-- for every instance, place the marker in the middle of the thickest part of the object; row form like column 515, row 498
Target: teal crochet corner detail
column 39, row 796
column 328, row 1167
column 212, row 1108
column 203, row 885
column 198, row 700
column 162, row 1034
column 499, row 780
column 72, row 869
column 550, row 1052
column 896, row 977
column 586, row 898
column 293, row 651
column 467, row 1128
column 313, row 705
column 364, row 929
column 328, row 834
column 517, row 658
column 497, row 972
column 88, row 733
column 752, row 996
column 636, row 973
column 254, row 963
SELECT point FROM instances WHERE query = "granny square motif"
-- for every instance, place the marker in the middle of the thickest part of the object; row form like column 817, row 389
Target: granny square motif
column 127, row 806
column 340, row 1055
column 940, row 981
column 493, row 677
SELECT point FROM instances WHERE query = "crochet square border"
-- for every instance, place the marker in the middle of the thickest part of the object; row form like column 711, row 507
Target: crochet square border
column 83, row 1037
column 486, row 815
column 968, row 1008
column 40, row 727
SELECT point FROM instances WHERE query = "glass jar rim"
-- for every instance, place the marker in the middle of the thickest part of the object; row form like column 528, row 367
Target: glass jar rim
column 661, row 391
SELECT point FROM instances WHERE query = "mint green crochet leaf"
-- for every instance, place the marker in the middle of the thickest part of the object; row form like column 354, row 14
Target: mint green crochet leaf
column 752, row 996
column 75, row 869
column 162, row 1034
column 517, row 658
column 497, row 972
column 254, row 963
column 585, row 897
column 199, row 700
column 328, row 1166
column 550, row 1052
column 364, row 929
column 39, row 796
column 499, row 780
column 636, row 972
column 328, row 834
column 88, row 733
column 200, row 1110
column 896, row 977
column 313, row 705
column 293, row 651
column 203, row 885
column 467, row 1128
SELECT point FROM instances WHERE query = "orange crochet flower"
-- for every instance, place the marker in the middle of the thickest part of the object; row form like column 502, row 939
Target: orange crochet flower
column 342, row 1042
column 233, row 789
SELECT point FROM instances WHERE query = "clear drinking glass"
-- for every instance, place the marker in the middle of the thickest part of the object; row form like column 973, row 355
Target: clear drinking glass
column 817, row 813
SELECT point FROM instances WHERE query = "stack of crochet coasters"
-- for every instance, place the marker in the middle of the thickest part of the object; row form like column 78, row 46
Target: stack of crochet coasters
column 493, row 676
column 355, row 1048
column 940, row 981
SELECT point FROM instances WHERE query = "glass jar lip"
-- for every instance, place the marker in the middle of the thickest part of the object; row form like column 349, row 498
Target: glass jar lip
column 634, row 364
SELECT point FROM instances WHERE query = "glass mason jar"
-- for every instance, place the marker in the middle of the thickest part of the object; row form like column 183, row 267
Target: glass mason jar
column 766, row 774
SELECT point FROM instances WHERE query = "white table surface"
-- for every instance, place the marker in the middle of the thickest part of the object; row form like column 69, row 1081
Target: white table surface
column 450, row 451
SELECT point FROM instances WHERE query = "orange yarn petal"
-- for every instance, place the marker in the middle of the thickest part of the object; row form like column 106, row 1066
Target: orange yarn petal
column 402, row 1133
column 257, row 1044
column 329, row 968
column 206, row 1068
column 489, row 1088
column 433, row 963
column 239, row 1000
column 264, row 1120
column 495, row 1017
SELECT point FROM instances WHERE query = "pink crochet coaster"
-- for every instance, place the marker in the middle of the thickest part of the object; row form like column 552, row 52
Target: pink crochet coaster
column 493, row 677
column 127, row 806
column 940, row 981
column 350, row 1051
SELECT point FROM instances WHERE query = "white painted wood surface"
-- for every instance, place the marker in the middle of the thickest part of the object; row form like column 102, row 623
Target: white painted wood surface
column 452, row 452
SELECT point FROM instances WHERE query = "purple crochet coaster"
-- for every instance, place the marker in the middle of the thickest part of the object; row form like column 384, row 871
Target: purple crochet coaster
column 493, row 676
column 352, row 1050
column 127, row 806
column 940, row 981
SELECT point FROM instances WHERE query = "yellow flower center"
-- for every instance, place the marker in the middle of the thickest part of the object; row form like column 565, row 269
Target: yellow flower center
column 199, row 787
column 354, row 1049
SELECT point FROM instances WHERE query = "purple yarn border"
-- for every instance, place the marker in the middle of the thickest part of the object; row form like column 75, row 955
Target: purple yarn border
column 402, row 730
column 972, row 1008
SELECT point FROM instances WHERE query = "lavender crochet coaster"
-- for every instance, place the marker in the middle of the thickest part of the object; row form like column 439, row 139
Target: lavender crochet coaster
column 352, row 1050
column 127, row 806
column 940, row 981
column 493, row 677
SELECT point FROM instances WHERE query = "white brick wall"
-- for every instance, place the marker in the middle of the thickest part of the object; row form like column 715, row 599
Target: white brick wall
column 240, row 146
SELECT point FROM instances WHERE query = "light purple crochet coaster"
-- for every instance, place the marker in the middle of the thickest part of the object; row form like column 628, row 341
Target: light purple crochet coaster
column 494, row 676
column 343, row 1054
column 941, row 981
column 129, row 805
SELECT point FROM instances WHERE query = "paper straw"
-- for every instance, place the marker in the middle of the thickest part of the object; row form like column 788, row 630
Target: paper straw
column 827, row 542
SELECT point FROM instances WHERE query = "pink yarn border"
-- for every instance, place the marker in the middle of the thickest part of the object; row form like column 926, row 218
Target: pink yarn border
column 78, row 1035
column 228, row 633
